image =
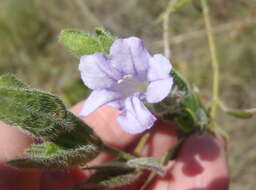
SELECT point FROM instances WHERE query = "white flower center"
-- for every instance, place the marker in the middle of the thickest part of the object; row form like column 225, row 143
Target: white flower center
column 130, row 85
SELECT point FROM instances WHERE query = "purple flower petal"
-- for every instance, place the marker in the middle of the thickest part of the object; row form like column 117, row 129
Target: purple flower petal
column 159, row 68
column 124, row 77
column 117, row 104
column 158, row 90
column 135, row 118
column 96, row 71
column 129, row 56
column 98, row 98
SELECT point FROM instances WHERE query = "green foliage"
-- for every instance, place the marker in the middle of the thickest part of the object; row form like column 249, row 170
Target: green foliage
column 105, row 38
column 32, row 109
column 79, row 42
column 52, row 156
column 192, row 113
column 45, row 116
column 10, row 81
column 82, row 44
column 183, row 106
column 110, row 175
column 119, row 173
column 146, row 163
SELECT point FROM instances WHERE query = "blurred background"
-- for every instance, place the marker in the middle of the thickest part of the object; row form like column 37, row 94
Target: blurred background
column 29, row 48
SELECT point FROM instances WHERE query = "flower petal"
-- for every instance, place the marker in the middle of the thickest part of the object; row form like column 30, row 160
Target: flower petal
column 129, row 56
column 98, row 98
column 158, row 90
column 135, row 118
column 159, row 67
column 117, row 104
column 96, row 71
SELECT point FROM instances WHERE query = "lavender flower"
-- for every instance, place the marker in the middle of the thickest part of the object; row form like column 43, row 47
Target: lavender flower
column 125, row 78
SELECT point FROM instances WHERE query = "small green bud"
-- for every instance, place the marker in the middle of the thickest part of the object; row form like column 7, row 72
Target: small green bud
column 105, row 38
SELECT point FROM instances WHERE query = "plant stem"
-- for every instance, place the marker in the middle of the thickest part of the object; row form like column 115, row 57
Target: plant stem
column 143, row 141
column 166, row 42
column 214, row 61
column 167, row 51
column 118, row 153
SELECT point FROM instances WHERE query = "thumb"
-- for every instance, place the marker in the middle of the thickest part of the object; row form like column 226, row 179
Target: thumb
column 201, row 165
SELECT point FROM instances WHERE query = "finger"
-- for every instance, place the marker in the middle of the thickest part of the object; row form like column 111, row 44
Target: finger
column 13, row 142
column 103, row 121
column 201, row 165
column 162, row 138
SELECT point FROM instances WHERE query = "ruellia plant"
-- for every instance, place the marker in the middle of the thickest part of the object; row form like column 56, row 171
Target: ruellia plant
column 122, row 74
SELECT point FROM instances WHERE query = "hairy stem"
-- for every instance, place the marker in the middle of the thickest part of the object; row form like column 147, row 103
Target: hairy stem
column 118, row 153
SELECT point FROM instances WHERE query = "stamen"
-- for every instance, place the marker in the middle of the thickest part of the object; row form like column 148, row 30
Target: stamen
column 124, row 78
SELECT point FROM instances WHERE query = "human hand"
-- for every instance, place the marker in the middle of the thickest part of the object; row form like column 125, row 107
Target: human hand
column 200, row 165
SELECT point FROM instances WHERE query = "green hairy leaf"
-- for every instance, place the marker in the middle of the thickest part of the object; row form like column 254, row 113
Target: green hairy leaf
column 34, row 110
column 119, row 173
column 109, row 175
column 52, row 156
column 9, row 80
column 146, row 163
column 80, row 43
column 69, row 140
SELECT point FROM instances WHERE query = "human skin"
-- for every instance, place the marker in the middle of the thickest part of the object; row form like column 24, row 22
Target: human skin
column 200, row 165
